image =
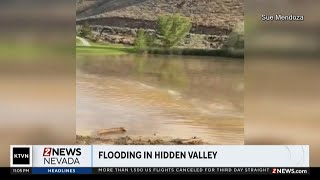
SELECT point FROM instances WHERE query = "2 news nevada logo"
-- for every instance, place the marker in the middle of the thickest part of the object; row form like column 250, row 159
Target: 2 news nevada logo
column 61, row 155
column 20, row 156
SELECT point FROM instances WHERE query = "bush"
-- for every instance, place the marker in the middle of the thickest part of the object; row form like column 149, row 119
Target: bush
column 172, row 28
column 85, row 31
column 236, row 38
column 143, row 40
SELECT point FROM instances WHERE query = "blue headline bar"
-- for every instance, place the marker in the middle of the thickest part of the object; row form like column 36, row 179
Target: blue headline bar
column 42, row 170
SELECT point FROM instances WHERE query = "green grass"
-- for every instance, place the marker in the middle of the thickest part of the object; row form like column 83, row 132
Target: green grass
column 102, row 49
column 99, row 49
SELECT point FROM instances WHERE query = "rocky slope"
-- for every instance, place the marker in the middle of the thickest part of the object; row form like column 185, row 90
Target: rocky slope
column 209, row 13
column 213, row 20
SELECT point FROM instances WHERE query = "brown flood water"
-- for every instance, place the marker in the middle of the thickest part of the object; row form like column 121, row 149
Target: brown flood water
column 171, row 96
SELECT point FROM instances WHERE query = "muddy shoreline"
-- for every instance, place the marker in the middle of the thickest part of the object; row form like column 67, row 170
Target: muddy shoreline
column 139, row 140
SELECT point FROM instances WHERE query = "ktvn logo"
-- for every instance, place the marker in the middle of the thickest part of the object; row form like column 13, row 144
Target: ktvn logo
column 61, row 156
column 20, row 156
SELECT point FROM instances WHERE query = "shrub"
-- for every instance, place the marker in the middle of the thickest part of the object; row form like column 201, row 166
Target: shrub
column 172, row 28
column 236, row 38
column 143, row 40
column 85, row 31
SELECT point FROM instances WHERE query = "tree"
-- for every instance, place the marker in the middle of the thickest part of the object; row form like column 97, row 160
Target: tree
column 172, row 28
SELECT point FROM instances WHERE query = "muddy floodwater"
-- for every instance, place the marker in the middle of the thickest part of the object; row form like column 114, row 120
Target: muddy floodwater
column 162, row 96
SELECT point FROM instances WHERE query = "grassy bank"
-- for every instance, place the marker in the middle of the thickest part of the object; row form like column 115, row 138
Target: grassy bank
column 198, row 52
column 100, row 49
column 96, row 49
column 103, row 50
column 118, row 50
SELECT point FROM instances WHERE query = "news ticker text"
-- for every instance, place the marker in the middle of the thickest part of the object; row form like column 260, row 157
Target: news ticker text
column 164, row 170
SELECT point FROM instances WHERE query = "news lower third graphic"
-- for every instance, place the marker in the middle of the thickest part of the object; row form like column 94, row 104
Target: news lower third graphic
column 159, row 159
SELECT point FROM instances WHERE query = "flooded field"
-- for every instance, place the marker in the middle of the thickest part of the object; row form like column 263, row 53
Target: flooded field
column 161, row 96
